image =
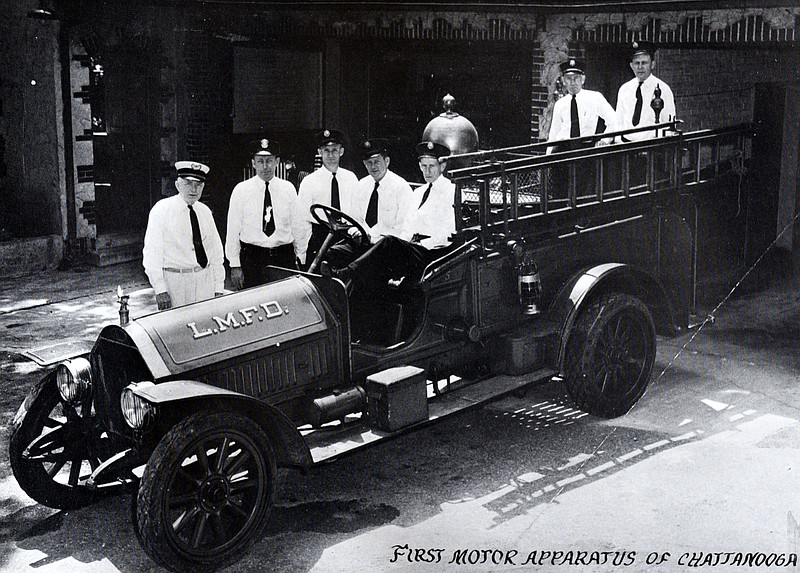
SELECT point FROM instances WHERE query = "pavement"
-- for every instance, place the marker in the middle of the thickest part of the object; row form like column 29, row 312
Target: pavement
column 645, row 511
column 54, row 286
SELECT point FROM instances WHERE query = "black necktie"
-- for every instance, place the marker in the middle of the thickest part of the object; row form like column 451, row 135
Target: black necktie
column 574, row 122
column 197, row 240
column 637, row 111
column 425, row 196
column 372, row 208
column 268, row 226
column 335, row 193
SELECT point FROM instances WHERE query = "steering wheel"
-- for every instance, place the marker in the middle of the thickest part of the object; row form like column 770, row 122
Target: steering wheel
column 338, row 223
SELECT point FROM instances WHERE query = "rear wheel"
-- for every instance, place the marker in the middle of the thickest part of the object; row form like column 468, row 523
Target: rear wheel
column 610, row 355
column 206, row 492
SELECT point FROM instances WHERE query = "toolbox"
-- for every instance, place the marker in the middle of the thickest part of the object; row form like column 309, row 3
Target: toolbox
column 397, row 397
column 524, row 350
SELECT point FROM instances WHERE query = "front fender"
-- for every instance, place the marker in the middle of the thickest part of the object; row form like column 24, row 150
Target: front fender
column 24, row 408
column 194, row 396
column 609, row 277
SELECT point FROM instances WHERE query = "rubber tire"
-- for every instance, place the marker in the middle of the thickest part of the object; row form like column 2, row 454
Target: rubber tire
column 610, row 355
column 174, row 549
column 32, row 475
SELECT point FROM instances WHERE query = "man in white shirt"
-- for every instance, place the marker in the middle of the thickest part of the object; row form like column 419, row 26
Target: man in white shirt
column 427, row 230
column 576, row 115
column 329, row 185
column 380, row 204
column 182, row 253
column 635, row 96
column 260, row 220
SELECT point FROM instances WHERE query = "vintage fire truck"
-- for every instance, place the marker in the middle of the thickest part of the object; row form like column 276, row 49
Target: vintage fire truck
column 197, row 407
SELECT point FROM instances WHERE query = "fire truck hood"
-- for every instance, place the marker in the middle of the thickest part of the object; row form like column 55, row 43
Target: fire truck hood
column 208, row 332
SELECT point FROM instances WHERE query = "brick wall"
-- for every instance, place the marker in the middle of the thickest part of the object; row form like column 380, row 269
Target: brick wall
column 207, row 62
column 715, row 87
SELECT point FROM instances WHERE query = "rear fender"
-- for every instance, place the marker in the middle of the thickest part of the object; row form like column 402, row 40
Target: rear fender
column 585, row 286
column 178, row 399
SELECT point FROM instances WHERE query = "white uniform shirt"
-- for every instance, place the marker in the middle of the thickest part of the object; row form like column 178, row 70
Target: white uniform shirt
column 394, row 200
column 316, row 188
column 436, row 218
column 591, row 106
column 626, row 103
column 246, row 216
column 168, row 241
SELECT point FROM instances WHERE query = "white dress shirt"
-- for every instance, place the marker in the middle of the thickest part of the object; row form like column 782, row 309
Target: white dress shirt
column 316, row 188
column 168, row 241
column 626, row 103
column 436, row 218
column 591, row 106
column 394, row 200
column 246, row 216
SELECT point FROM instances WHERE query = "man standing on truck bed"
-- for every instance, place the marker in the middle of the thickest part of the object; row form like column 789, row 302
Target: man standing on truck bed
column 260, row 220
column 329, row 185
column 182, row 253
column 635, row 96
column 428, row 226
column 577, row 115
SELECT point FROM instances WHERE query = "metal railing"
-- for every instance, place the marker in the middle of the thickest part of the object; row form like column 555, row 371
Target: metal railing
column 504, row 191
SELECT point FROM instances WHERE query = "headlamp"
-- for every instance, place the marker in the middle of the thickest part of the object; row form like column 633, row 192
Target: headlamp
column 74, row 380
column 138, row 412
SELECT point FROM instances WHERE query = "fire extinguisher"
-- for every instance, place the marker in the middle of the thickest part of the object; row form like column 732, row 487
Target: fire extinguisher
column 529, row 285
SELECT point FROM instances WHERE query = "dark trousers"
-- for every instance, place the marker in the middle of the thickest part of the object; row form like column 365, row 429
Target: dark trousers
column 584, row 173
column 343, row 253
column 393, row 258
column 256, row 259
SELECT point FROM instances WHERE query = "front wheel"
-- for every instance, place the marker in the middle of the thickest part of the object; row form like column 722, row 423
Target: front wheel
column 610, row 355
column 51, row 451
column 206, row 492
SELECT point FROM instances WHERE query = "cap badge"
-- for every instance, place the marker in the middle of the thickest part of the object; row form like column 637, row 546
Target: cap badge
column 367, row 144
column 430, row 145
column 264, row 143
column 572, row 62
column 326, row 133
column 636, row 44
column 196, row 166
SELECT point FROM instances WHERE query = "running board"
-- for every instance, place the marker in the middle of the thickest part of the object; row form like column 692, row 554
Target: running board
column 338, row 438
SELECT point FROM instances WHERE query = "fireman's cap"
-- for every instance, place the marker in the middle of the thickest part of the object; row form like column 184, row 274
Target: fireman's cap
column 264, row 146
column 192, row 170
column 572, row 66
column 370, row 147
column 642, row 47
column 431, row 149
column 329, row 136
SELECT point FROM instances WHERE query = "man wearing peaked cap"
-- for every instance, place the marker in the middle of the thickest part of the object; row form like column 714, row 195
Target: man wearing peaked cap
column 635, row 96
column 380, row 203
column 427, row 230
column 382, row 197
column 260, row 219
column 330, row 185
column 577, row 113
column 182, row 253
